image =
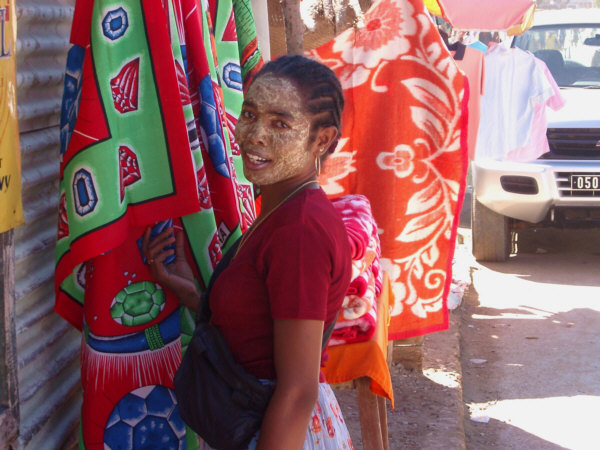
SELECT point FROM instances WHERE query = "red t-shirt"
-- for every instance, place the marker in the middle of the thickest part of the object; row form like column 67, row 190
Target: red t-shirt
column 295, row 265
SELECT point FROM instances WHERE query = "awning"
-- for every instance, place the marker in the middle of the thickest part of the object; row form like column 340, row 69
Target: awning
column 513, row 16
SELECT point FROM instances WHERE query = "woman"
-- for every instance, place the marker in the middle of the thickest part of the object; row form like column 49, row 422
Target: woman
column 291, row 271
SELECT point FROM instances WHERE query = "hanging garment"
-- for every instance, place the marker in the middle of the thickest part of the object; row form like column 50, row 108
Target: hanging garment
column 472, row 64
column 145, row 141
column 401, row 147
column 514, row 84
column 538, row 141
column 478, row 45
column 484, row 14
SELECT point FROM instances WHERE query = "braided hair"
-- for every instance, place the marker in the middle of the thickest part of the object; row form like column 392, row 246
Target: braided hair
column 324, row 98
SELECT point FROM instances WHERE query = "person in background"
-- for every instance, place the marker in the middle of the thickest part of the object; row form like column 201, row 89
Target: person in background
column 292, row 268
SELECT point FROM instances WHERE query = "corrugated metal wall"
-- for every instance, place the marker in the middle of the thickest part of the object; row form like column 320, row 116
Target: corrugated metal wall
column 47, row 347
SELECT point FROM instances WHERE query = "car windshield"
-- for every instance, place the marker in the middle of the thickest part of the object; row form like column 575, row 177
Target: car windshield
column 571, row 52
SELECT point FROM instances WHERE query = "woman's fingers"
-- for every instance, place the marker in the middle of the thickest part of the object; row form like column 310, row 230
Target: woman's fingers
column 148, row 247
column 180, row 244
column 162, row 239
column 146, row 240
column 160, row 258
column 155, row 249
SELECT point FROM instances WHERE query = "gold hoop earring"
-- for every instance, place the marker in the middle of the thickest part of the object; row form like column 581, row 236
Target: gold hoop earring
column 318, row 165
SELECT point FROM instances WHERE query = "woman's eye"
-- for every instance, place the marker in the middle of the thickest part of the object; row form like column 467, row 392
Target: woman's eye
column 281, row 124
column 247, row 114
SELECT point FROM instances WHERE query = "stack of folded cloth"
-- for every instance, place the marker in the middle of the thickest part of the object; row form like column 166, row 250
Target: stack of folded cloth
column 358, row 315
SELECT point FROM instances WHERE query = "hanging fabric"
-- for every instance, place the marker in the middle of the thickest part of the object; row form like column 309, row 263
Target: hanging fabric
column 403, row 147
column 472, row 63
column 508, row 106
column 537, row 144
column 491, row 15
column 146, row 140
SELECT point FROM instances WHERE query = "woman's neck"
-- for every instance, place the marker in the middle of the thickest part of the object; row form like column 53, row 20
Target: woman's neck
column 272, row 196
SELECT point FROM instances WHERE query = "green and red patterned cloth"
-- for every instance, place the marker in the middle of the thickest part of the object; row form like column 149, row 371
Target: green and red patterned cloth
column 403, row 147
column 153, row 89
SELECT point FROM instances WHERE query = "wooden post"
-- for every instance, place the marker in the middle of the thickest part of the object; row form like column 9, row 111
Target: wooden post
column 261, row 22
column 370, row 416
column 294, row 27
column 9, row 394
column 409, row 352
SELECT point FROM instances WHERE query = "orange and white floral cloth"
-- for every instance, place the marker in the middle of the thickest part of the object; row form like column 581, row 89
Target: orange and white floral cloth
column 403, row 146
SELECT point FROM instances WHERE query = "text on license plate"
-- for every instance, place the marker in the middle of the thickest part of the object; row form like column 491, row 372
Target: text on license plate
column 585, row 182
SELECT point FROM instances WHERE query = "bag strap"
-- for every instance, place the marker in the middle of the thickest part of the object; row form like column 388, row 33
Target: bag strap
column 204, row 312
column 327, row 332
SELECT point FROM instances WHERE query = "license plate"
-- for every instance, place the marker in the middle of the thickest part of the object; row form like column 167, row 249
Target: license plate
column 585, row 182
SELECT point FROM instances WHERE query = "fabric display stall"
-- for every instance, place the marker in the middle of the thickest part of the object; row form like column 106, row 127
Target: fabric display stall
column 357, row 353
column 151, row 63
column 363, row 366
column 403, row 146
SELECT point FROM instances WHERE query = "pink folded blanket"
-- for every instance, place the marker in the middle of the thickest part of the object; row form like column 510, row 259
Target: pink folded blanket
column 356, row 214
column 358, row 314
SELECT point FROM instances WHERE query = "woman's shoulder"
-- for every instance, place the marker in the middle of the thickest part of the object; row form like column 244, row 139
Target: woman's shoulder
column 310, row 217
column 311, row 207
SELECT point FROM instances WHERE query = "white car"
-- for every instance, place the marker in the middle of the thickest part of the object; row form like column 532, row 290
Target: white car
column 562, row 187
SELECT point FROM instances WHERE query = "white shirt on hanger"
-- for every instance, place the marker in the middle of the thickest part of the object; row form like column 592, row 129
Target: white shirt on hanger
column 514, row 84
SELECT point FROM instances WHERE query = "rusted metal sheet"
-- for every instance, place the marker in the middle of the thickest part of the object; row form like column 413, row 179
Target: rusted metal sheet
column 43, row 29
column 9, row 403
column 47, row 348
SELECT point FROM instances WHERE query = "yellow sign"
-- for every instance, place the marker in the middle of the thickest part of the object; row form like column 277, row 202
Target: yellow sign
column 433, row 7
column 11, row 207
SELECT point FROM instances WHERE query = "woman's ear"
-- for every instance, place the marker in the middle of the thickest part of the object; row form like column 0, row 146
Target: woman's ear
column 325, row 137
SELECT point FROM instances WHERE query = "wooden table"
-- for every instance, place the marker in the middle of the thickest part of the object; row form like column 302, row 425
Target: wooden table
column 364, row 366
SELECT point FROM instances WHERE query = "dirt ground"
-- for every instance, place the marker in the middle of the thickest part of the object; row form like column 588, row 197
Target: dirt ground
column 530, row 346
column 428, row 411
column 526, row 332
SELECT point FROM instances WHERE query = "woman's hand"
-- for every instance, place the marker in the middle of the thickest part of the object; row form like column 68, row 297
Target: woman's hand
column 178, row 276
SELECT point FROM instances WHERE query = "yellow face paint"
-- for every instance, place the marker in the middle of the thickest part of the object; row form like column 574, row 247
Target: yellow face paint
column 273, row 132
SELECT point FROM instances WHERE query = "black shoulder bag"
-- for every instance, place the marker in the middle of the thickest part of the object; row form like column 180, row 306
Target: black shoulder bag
column 216, row 397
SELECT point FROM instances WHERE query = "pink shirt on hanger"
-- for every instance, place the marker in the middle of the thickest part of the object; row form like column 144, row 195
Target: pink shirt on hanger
column 485, row 14
column 472, row 64
column 538, row 142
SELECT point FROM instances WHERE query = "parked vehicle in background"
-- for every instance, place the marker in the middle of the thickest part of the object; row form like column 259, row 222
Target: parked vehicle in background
column 562, row 187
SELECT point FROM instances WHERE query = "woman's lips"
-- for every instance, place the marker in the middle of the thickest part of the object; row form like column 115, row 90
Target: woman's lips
column 255, row 161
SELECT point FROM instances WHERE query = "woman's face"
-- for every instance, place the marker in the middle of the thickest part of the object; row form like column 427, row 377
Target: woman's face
column 273, row 132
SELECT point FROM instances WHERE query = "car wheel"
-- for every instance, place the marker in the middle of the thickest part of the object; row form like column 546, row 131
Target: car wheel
column 490, row 233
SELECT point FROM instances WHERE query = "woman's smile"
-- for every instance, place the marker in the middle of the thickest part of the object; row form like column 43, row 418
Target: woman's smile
column 254, row 161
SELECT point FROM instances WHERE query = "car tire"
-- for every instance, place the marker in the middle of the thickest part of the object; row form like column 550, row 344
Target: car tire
column 490, row 234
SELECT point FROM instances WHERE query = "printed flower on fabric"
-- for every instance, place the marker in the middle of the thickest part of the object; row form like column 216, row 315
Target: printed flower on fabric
column 401, row 160
column 394, row 270
column 383, row 38
column 337, row 167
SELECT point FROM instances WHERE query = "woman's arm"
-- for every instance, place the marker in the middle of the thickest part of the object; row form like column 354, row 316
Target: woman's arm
column 297, row 354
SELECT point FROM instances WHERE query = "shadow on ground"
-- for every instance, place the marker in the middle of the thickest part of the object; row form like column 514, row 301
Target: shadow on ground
column 523, row 356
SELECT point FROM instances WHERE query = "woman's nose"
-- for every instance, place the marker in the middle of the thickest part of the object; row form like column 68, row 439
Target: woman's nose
column 257, row 133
